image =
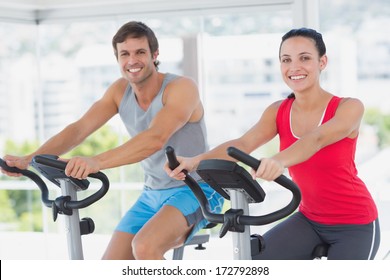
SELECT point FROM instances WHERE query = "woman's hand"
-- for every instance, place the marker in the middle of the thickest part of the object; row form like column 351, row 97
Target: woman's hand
column 185, row 164
column 269, row 169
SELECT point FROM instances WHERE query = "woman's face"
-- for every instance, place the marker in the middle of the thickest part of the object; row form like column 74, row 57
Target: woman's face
column 300, row 63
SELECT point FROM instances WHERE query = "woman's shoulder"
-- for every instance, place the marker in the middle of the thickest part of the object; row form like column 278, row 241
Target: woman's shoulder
column 351, row 102
column 282, row 102
column 273, row 108
column 350, row 106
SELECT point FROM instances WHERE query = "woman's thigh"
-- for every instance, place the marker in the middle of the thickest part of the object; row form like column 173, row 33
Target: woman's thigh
column 291, row 239
column 352, row 242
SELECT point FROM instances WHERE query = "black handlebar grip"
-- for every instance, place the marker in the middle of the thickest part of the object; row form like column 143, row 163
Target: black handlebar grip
column 243, row 157
column 50, row 161
column 7, row 168
column 171, row 157
column 172, row 160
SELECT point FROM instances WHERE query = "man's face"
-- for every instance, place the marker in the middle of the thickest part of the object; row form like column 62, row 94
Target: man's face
column 135, row 59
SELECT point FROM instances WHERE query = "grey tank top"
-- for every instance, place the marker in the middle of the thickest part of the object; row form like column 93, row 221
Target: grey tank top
column 188, row 141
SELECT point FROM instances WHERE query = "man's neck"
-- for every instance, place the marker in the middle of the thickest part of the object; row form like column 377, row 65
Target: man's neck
column 148, row 90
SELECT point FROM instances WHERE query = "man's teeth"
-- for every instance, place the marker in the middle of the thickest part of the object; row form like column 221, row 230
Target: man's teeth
column 297, row 77
column 134, row 70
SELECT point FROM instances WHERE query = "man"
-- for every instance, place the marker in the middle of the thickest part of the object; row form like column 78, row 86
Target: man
column 158, row 110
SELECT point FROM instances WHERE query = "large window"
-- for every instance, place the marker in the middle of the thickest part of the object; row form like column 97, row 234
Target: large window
column 18, row 81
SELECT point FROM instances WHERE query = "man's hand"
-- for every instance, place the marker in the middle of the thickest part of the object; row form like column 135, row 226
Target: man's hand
column 81, row 167
column 15, row 161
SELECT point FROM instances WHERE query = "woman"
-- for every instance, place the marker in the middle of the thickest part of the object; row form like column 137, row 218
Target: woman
column 318, row 133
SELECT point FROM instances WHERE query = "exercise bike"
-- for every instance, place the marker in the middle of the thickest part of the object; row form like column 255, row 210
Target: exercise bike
column 54, row 170
column 67, row 204
column 234, row 183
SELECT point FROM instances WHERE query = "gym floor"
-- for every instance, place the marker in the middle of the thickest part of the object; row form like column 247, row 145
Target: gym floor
column 39, row 246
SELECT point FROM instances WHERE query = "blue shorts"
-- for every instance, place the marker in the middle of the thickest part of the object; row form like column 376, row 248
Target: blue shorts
column 151, row 201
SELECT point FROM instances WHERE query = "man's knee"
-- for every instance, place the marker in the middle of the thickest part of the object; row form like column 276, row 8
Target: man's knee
column 143, row 249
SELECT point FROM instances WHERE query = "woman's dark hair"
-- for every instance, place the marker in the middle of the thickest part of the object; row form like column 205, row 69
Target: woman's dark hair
column 291, row 95
column 307, row 33
column 136, row 29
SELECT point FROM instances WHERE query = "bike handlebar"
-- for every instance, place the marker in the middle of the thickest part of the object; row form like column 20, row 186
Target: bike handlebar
column 194, row 186
column 59, row 165
column 32, row 176
column 241, row 219
column 281, row 180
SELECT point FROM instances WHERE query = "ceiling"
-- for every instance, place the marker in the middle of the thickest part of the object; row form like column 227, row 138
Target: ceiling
column 41, row 10
column 59, row 10
column 50, row 4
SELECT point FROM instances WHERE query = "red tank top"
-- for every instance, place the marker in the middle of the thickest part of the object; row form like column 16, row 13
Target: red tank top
column 332, row 193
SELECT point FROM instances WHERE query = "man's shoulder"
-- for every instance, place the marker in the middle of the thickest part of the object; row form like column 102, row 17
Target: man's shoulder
column 174, row 79
column 120, row 83
column 116, row 90
column 118, row 87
